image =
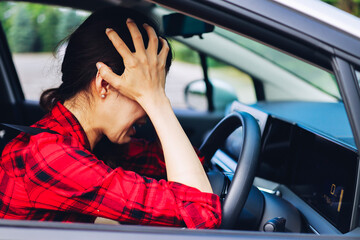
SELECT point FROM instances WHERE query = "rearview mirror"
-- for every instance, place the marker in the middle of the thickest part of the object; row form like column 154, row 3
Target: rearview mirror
column 177, row 24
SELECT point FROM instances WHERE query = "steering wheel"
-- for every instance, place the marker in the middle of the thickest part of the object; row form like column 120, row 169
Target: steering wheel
column 247, row 162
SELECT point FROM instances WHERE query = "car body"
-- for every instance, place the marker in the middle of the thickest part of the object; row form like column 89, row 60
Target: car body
column 310, row 132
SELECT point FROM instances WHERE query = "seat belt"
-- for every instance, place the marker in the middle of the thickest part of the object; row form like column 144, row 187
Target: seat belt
column 28, row 130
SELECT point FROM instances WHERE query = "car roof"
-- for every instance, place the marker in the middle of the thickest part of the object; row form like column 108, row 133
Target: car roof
column 327, row 14
column 91, row 4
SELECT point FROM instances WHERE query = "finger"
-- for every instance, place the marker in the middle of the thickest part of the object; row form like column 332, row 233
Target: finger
column 164, row 51
column 119, row 44
column 136, row 36
column 108, row 75
column 153, row 39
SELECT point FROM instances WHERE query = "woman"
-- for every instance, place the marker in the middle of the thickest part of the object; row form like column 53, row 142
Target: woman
column 108, row 86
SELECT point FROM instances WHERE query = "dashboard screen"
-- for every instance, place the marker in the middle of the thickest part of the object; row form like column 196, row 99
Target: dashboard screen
column 332, row 199
column 325, row 176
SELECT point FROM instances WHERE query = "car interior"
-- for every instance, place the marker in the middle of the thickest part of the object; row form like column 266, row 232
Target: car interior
column 278, row 144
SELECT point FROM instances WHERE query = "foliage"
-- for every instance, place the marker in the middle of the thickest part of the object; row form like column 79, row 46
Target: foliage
column 185, row 54
column 35, row 27
column 351, row 6
column 22, row 33
column 47, row 32
column 5, row 10
column 67, row 24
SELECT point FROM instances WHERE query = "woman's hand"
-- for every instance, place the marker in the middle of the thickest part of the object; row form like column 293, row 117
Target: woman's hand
column 143, row 81
column 144, row 75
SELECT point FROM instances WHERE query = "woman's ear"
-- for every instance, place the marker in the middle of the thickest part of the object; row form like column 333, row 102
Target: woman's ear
column 101, row 86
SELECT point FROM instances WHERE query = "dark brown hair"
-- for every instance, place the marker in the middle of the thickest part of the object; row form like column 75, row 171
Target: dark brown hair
column 89, row 44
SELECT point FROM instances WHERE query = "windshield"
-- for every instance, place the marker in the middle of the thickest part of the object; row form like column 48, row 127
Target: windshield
column 310, row 74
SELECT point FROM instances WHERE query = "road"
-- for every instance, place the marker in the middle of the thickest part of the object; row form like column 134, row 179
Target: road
column 38, row 72
column 41, row 71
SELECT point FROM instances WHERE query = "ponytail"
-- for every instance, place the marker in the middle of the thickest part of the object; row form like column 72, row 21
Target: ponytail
column 49, row 98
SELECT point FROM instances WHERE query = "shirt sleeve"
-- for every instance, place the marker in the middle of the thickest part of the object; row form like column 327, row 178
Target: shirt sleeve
column 145, row 158
column 63, row 176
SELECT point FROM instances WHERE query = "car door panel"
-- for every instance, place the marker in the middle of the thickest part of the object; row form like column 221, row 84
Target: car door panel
column 49, row 230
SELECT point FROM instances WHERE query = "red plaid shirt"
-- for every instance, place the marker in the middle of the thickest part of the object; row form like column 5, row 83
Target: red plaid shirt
column 55, row 177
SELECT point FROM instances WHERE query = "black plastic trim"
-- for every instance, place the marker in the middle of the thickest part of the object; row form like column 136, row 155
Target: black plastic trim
column 320, row 224
column 209, row 86
column 89, row 5
column 355, row 222
column 259, row 89
column 350, row 92
column 12, row 95
column 10, row 72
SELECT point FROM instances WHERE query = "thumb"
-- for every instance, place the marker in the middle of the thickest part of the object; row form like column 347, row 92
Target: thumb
column 108, row 75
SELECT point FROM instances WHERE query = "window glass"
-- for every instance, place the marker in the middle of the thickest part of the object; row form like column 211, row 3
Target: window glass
column 33, row 32
column 229, row 83
column 274, row 68
column 184, row 69
column 232, row 79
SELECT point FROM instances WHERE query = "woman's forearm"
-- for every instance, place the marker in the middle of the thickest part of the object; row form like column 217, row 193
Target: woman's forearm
column 144, row 81
column 182, row 163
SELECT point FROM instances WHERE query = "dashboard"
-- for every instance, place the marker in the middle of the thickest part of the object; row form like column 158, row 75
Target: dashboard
column 317, row 167
column 320, row 171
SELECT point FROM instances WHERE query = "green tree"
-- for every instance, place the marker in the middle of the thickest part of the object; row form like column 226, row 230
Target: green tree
column 22, row 34
column 45, row 20
column 184, row 53
column 6, row 11
column 47, row 25
column 43, row 26
column 67, row 24
column 351, row 6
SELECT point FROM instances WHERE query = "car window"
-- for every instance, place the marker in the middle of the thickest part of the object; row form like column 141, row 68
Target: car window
column 229, row 83
column 309, row 82
column 184, row 69
column 240, row 82
column 33, row 32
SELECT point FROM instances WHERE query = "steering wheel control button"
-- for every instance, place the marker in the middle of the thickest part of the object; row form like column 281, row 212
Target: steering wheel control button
column 275, row 225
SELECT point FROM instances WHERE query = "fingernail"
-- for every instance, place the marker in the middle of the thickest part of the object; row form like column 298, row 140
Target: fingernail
column 108, row 30
column 145, row 24
column 98, row 65
column 129, row 20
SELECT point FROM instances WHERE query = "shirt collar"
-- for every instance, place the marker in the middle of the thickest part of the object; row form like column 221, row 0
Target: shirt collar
column 68, row 124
